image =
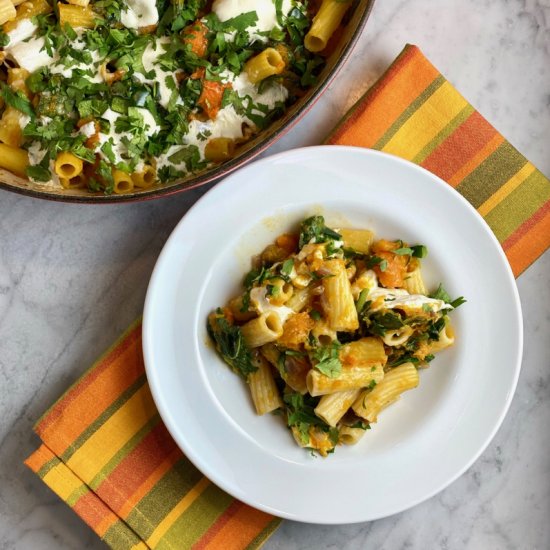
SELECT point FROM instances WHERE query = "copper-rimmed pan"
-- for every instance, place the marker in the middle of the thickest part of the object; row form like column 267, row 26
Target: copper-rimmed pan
column 352, row 30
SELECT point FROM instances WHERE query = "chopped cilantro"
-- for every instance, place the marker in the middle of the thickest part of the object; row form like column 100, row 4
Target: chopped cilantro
column 328, row 361
column 17, row 100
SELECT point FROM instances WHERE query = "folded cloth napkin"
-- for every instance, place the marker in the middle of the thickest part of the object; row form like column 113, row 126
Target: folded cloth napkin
column 105, row 451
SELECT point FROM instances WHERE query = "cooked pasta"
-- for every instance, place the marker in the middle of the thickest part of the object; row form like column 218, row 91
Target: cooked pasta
column 265, row 64
column 157, row 90
column 326, row 21
column 331, row 328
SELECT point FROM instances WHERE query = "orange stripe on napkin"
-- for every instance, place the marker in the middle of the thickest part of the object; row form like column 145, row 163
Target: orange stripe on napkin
column 413, row 111
column 146, row 494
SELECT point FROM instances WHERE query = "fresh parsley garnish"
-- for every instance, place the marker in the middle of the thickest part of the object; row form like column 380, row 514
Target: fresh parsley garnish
column 314, row 230
column 442, row 294
column 328, row 360
column 300, row 410
column 18, row 100
column 231, row 345
column 379, row 323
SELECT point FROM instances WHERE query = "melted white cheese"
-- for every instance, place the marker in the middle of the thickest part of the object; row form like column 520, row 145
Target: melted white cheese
column 140, row 13
column 30, row 55
column 25, row 29
column 273, row 94
column 151, row 126
column 117, row 147
column 265, row 10
column 36, row 153
column 398, row 298
column 67, row 72
column 23, row 121
column 88, row 129
column 226, row 124
column 149, row 62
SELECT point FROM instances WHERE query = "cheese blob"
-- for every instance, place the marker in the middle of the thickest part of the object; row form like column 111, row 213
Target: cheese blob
column 140, row 13
column 265, row 10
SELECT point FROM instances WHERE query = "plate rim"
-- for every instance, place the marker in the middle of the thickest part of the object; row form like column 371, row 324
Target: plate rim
column 156, row 390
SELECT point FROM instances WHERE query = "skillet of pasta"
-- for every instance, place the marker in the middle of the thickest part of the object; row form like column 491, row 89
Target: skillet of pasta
column 332, row 326
column 113, row 95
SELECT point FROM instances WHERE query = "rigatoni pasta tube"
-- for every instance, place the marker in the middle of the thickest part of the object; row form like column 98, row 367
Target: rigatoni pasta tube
column 395, row 382
column 446, row 338
column 351, row 378
column 219, row 149
column 68, row 165
column 281, row 293
column 122, row 182
column 366, row 352
column 7, row 11
column 349, row 435
column 293, row 369
column 358, row 239
column 332, row 407
column 323, row 333
column 414, row 283
column 16, row 79
column 299, row 299
column 236, row 307
column 10, row 127
column 266, row 63
column 398, row 336
column 27, row 10
column 263, row 388
column 77, row 182
column 76, row 16
column 325, row 22
column 144, row 178
column 262, row 330
column 337, row 299
column 13, row 159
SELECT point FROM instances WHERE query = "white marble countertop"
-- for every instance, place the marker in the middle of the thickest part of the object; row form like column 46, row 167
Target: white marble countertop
column 73, row 277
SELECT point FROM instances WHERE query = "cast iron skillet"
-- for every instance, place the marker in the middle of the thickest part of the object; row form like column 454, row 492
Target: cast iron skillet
column 354, row 24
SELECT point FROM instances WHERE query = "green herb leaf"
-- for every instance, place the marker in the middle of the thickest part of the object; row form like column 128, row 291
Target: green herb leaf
column 315, row 315
column 17, row 100
column 328, row 361
column 361, row 425
column 362, row 300
column 419, row 251
column 377, row 261
column 39, row 173
column 231, row 345
column 442, row 294
column 314, row 230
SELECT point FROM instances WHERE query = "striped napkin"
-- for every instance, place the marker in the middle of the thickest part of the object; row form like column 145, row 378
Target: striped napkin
column 104, row 449
column 415, row 113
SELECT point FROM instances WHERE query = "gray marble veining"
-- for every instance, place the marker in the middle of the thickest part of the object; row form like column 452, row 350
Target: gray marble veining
column 73, row 277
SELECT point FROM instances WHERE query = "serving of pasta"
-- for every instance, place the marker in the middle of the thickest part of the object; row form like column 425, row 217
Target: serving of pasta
column 332, row 327
column 113, row 96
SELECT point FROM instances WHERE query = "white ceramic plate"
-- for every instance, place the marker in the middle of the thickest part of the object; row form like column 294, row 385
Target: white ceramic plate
column 421, row 443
